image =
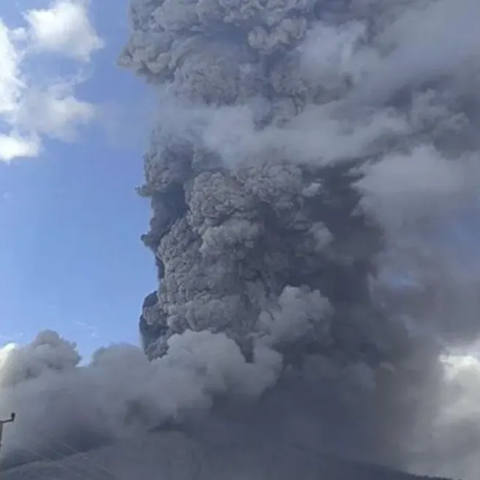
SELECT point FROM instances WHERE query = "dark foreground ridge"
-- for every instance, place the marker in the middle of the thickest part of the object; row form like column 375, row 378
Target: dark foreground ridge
column 179, row 456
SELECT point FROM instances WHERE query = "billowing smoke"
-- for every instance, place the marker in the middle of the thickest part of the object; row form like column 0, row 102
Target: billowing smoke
column 63, row 406
column 310, row 162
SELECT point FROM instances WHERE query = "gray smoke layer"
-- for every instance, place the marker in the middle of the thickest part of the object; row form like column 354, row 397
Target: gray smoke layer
column 309, row 163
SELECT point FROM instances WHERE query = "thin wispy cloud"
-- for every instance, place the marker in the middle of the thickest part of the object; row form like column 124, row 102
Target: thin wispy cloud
column 32, row 109
column 6, row 338
column 87, row 328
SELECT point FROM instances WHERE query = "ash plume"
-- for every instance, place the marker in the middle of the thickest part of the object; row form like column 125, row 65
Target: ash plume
column 309, row 161
column 301, row 147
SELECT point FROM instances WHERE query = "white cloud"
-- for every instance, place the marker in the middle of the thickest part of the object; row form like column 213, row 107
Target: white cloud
column 14, row 146
column 10, row 81
column 29, row 111
column 54, row 111
column 64, row 28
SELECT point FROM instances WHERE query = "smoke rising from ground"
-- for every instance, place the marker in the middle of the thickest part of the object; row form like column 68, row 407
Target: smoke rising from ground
column 309, row 157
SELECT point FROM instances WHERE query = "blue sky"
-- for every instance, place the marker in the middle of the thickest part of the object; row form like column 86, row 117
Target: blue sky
column 70, row 220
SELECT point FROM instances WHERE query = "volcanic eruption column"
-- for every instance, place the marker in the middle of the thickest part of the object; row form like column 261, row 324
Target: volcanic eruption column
column 275, row 117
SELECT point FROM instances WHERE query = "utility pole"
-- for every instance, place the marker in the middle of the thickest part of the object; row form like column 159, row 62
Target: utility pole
column 2, row 423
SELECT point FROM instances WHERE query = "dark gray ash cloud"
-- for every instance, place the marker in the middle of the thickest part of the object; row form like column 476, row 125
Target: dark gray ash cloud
column 304, row 151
